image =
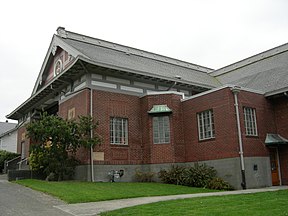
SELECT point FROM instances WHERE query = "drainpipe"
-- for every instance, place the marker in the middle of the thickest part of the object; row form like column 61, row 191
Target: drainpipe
column 235, row 90
column 91, row 136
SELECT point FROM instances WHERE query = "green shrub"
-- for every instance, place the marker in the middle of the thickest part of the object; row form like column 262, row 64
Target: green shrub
column 47, row 162
column 144, row 176
column 6, row 156
column 176, row 175
column 199, row 175
column 219, row 184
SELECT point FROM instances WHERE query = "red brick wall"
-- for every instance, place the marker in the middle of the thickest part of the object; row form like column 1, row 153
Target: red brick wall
column 255, row 146
column 22, row 138
column 283, row 157
column 184, row 145
column 106, row 105
column 140, row 148
column 281, row 115
column 80, row 101
column 168, row 152
column 225, row 144
column 281, row 118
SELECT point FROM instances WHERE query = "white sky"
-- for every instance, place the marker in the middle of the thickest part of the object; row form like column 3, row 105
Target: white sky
column 211, row 33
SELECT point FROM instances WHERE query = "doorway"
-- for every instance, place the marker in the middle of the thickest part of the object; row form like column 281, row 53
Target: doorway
column 274, row 162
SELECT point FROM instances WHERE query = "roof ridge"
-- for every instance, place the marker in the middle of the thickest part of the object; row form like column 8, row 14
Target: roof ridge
column 129, row 50
column 250, row 60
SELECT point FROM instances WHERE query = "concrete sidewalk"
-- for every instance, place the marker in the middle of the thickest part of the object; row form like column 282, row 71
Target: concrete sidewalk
column 94, row 208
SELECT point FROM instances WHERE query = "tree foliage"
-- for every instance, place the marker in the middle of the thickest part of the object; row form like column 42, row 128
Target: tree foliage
column 55, row 142
column 6, row 156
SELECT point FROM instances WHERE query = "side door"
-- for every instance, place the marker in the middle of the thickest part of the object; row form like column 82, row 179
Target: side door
column 274, row 166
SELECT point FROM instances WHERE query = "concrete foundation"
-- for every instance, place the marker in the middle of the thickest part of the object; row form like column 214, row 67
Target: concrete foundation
column 257, row 171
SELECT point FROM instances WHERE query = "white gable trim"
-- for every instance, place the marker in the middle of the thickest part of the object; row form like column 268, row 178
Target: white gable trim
column 56, row 42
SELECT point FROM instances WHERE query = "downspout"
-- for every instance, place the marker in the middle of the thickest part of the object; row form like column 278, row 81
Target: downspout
column 235, row 90
column 91, row 114
column 91, row 136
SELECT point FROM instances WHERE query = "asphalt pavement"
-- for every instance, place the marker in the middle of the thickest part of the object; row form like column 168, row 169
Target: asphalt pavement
column 16, row 200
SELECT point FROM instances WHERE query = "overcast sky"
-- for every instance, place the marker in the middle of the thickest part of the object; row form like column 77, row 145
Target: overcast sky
column 211, row 33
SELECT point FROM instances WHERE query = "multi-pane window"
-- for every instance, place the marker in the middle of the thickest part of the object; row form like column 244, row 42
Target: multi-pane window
column 119, row 131
column 250, row 121
column 206, row 125
column 161, row 129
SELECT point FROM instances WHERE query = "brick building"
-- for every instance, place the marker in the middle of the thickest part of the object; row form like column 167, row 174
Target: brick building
column 154, row 111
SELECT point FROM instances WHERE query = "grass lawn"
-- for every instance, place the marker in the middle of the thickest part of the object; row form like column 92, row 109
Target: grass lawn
column 78, row 192
column 268, row 203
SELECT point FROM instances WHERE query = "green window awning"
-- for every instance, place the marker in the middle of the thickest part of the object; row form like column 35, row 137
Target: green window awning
column 160, row 109
column 275, row 139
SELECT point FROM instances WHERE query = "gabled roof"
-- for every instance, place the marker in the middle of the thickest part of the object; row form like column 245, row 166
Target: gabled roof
column 6, row 126
column 56, row 42
column 266, row 71
column 138, row 61
column 266, row 81
column 48, row 91
column 113, row 56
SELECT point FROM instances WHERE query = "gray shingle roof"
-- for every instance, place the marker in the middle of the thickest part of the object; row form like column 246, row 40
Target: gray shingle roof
column 266, row 81
column 266, row 71
column 151, row 66
column 6, row 126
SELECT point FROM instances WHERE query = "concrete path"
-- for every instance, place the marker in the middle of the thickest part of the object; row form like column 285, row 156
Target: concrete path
column 94, row 208
column 16, row 200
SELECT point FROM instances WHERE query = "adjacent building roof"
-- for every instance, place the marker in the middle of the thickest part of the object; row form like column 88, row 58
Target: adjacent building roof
column 266, row 71
column 266, row 81
column 6, row 126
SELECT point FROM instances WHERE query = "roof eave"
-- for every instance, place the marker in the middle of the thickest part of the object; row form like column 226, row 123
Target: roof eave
column 101, row 64
column 276, row 92
column 44, row 91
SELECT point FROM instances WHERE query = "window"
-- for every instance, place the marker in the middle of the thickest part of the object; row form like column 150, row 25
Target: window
column 119, row 131
column 161, row 129
column 23, row 156
column 206, row 125
column 71, row 113
column 250, row 121
column 58, row 67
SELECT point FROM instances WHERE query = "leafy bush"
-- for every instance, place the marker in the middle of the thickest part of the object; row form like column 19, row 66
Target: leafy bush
column 5, row 156
column 219, row 184
column 55, row 142
column 199, row 175
column 144, row 176
column 176, row 175
column 55, row 165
